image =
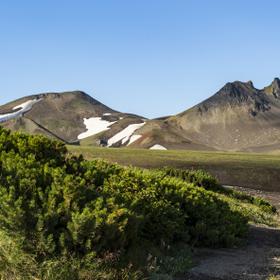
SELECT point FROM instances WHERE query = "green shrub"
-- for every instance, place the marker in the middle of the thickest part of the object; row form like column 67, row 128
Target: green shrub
column 174, row 210
column 60, row 206
column 199, row 178
column 203, row 179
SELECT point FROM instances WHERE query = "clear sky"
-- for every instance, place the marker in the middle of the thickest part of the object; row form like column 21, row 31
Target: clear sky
column 150, row 57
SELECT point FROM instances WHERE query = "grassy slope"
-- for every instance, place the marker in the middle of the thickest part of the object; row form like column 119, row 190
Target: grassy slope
column 259, row 171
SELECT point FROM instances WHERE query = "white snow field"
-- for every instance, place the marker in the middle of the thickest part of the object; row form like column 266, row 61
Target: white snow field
column 24, row 107
column 125, row 134
column 94, row 126
column 157, row 147
column 133, row 138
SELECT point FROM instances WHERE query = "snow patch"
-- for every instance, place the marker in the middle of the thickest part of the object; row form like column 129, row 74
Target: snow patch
column 107, row 114
column 157, row 147
column 94, row 126
column 125, row 134
column 24, row 107
column 133, row 138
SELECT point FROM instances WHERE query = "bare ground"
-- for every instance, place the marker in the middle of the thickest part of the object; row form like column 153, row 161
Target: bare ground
column 259, row 259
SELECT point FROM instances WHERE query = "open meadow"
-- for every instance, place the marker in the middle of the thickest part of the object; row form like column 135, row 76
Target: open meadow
column 257, row 171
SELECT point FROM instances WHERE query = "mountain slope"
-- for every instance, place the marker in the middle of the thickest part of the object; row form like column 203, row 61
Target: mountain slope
column 167, row 135
column 69, row 116
column 237, row 117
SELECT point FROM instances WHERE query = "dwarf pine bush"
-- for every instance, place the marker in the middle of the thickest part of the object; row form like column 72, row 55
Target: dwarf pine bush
column 59, row 205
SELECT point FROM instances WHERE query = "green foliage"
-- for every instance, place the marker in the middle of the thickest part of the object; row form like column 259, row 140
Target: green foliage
column 255, row 214
column 43, row 149
column 258, row 201
column 198, row 177
column 60, row 206
column 203, row 179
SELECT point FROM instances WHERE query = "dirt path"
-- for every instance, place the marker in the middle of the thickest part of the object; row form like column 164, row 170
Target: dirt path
column 258, row 259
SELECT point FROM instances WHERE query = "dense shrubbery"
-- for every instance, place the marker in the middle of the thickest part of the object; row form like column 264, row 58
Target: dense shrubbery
column 55, row 205
column 258, row 201
column 203, row 179
column 199, row 178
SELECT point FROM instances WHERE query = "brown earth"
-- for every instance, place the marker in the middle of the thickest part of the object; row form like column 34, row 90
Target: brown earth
column 258, row 259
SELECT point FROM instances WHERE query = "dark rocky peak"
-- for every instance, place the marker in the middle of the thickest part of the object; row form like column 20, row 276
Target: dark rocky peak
column 250, row 84
column 238, row 86
column 276, row 82
column 273, row 88
column 237, row 92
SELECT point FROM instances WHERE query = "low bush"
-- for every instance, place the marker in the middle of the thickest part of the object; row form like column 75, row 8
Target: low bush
column 257, row 201
column 60, row 206
column 203, row 179
column 199, row 178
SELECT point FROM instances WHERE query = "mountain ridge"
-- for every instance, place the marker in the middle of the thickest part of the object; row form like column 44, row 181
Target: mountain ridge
column 238, row 117
column 62, row 114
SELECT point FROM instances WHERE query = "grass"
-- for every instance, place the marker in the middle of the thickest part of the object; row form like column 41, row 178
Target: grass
column 254, row 213
column 258, row 171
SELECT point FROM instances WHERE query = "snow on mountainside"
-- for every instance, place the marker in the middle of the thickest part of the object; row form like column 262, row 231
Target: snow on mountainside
column 133, row 139
column 95, row 126
column 158, row 147
column 23, row 108
column 69, row 116
column 124, row 135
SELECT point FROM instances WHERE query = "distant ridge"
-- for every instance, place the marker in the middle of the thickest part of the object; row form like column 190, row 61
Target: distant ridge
column 239, row 117
column 62, row 115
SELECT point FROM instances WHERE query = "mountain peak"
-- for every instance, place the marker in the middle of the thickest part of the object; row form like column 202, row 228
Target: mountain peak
column 234, row 96
column 273, row 88
column 239, row 85
column 238, row 90
column 250, row 83
column 276, row 83
column 77, row 93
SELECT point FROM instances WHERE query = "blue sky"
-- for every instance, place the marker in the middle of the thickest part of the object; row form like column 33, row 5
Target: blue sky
column 150, row 57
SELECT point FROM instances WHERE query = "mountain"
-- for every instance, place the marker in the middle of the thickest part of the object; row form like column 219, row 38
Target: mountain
column 68, row 116
column 239, row 117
